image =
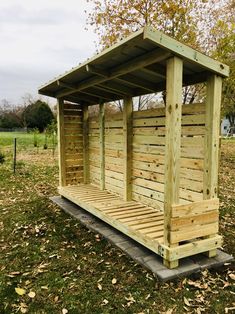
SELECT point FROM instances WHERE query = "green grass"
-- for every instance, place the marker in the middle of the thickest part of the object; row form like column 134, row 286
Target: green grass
column 25, row 141
column 228, row 139
column 44, row 250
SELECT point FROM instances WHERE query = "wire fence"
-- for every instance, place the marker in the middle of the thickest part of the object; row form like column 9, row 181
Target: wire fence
column 20, row 130
column 15, row 144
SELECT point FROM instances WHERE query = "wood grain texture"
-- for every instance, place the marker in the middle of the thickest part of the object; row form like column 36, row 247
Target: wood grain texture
column 185, row 52
column 120, row 218
column 211, row 161
column 173, row 140
column 101, row 144
column 195, row 208
column 86, row 144
column 127, row 148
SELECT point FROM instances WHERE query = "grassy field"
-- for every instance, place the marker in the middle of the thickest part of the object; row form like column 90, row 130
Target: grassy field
column 25, row 141
column 61, row 267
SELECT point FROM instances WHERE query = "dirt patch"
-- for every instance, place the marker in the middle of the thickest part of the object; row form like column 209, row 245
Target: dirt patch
column 41, row 157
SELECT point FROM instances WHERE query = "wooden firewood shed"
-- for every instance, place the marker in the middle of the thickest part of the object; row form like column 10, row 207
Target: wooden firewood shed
column 151, row 174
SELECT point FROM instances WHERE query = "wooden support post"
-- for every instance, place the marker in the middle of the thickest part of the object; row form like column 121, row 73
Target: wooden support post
column 102, row 152
column 61, row 142
column 212, row 141
column 127, row 149
column 86, row 170
column 173, row 140
column 211, row 161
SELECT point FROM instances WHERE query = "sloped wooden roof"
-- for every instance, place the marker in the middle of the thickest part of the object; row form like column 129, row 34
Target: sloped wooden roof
column 134, row 66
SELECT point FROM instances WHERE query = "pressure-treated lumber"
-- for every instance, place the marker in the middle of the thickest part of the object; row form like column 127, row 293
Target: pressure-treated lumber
column 136, row 63
column 194, row 220
column 114, row 159
column 73, row 144
column 61, row 142
column 150, row 42
column 188, row 221
column 185, row 52
column 79, row 195
column 191, row 248
column 195, row 208
column 152, row 174
column 127, row 151
column 211, row 160
column 140, row 222
column 86, row 144
column 173, row 139
column 102, row 152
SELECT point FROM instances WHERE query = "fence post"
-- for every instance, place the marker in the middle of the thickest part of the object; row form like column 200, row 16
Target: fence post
column 14, row 157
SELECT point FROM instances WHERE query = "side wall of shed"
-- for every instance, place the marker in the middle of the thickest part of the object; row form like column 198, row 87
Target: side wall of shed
column 149, row 155
column 94, row 150
column 114, row 153
column 70, row 134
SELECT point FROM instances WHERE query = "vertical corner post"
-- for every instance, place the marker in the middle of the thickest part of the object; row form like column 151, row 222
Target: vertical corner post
column 127, row 149
column 211, row 160
column 172, row 146
column 212, row 141
column 61, row 142
column 85, row 128
column 102, row 151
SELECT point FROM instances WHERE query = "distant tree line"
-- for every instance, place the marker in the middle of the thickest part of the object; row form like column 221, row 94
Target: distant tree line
column 36, row 114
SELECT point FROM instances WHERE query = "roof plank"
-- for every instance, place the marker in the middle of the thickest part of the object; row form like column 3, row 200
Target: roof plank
column 134, row 66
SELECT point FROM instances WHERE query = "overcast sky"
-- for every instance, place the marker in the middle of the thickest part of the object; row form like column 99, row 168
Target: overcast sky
column 38, row 41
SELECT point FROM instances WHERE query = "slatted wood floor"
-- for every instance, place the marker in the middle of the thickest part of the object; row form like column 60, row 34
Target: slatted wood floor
column 142, row 223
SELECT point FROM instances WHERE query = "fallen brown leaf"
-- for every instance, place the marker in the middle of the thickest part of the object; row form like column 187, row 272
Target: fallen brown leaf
column 32, row 294
column 232, row 276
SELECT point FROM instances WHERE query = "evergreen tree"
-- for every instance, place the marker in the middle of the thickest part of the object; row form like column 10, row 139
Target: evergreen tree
column 38, row 115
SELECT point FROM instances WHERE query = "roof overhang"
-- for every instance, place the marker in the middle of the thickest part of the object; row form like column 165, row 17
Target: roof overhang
column 132, row 67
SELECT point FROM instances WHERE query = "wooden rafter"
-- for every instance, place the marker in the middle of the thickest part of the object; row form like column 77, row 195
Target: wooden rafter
column 154, row 56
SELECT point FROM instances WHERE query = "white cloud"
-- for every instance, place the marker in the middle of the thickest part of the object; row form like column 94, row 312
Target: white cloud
column 38, row 41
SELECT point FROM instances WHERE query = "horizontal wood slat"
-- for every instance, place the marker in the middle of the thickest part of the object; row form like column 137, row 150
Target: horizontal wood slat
column 73, row 141
column 73, row 113
column 190, row 232
column 194, row 247
column 196, row 119
column 195, row 208
column 161, row 131
column 193, row 220
column 160, row 140
column 70, row 106
column 187, row 152
column 158, row 112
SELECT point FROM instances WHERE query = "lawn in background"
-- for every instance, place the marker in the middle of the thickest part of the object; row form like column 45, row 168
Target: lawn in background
column 25, row 141
column 61, row 266
column 28, row 146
